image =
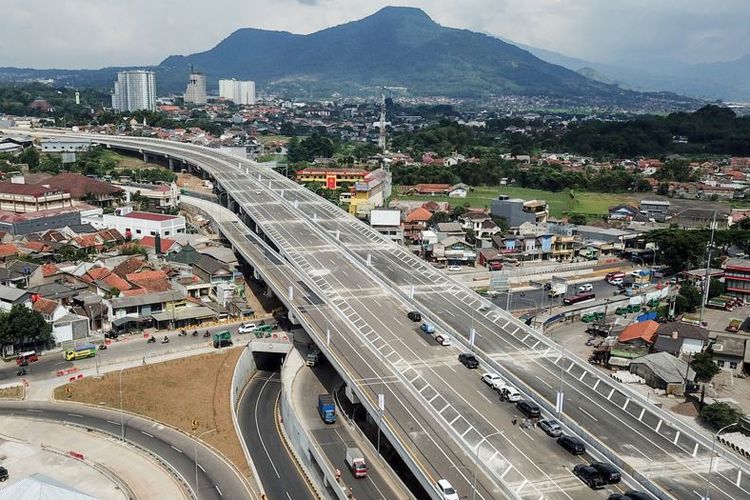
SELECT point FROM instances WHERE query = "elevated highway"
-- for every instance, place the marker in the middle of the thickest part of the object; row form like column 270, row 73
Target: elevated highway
column 358, row 286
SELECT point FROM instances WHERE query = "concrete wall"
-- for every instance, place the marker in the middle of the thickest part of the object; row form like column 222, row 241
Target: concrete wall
column 243, row 372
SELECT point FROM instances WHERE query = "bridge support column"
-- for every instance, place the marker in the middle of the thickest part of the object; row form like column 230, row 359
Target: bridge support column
column 171, row 164
column 293, row 319
column 145, row 158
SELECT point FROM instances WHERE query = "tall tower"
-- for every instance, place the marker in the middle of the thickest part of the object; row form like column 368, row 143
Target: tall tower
column 195, row 92
column 134, row 90
column 381, row 137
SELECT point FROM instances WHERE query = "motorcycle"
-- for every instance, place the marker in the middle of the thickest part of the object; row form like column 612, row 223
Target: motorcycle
column 195, row 333
column 151, row 340
column 165, row 340
column 206, row 334
column 21, row 372
column 102, row 347
column 182, row 333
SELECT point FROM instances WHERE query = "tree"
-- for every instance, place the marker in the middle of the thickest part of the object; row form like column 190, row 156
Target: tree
column 29, row 156
column 718, row 415
column 688, row 299
column 438, row 217
column 577, row 219
column 501, row 222
column 716, row 288
column 21, row 326
column 470, row 236
column 704, row 367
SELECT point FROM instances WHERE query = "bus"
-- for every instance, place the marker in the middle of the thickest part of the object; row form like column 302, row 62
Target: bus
column 579, row 297
column 80, row 352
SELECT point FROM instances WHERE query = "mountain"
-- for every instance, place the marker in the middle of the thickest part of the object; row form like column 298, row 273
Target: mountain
column 396, row 46
column 728, row 80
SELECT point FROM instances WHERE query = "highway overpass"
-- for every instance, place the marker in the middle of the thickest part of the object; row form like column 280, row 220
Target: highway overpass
column 358, row 286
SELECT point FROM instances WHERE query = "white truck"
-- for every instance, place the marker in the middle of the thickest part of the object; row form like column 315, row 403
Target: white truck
column 557, row 288
column 355, row 460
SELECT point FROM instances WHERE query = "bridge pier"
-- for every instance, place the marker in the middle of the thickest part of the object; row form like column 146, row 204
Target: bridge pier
column 145, row 158
column 292, row 318
column 171, row 164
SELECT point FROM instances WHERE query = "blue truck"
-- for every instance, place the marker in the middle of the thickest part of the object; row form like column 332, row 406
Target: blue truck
column 327, row 408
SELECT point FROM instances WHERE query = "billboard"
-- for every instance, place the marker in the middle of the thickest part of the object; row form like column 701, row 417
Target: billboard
column 330, row 182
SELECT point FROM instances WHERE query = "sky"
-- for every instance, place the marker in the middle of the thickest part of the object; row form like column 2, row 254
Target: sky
column 98, row 33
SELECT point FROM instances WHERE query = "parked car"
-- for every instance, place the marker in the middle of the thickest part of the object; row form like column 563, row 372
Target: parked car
column 529, row 409
column 492, row 379
column 551, row 427
column 443, row 339
column 609, row 473
column 247, row 328
column 447, row 492
column 415, row 316
column 572, row 444
column 454, row 267
column 4, row 474
column 586, row 287
column 427, row 328
column 589, row 476
column 468, row 360
column 510, row 393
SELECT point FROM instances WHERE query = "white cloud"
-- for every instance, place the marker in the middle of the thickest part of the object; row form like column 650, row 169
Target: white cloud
column 95, row 33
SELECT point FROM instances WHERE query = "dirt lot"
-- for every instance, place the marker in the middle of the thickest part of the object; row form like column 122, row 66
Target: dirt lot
column 175, row 393
column 191, row 182
column 15, row 392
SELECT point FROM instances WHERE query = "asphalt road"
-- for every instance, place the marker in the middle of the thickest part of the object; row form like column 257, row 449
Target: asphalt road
column 216, row 479
column 362, row 305
column 279, row 475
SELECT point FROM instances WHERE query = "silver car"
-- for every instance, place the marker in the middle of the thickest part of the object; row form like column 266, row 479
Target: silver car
column 551, row 427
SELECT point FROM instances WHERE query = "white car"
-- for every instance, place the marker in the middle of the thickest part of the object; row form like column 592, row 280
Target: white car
column 454, row 267
column 447, row 492
column 443, row 339
column 511, row 394
column 616, row 281
column 247, row 328
column 586, row 287
column 492, row 379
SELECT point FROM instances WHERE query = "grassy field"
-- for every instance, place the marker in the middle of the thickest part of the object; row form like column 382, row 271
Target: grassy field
column 174, row 392
column 559, row 203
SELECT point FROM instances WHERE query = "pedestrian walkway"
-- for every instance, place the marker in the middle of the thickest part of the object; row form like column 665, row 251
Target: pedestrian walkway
column 89, row 462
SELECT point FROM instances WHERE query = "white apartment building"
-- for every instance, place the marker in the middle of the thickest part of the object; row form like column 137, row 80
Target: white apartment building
column 135, row 90
column 237, row 91
column 195, row 93
column 136, row 225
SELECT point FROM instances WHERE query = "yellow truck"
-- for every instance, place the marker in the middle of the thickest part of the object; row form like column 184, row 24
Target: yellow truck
column 80, row 352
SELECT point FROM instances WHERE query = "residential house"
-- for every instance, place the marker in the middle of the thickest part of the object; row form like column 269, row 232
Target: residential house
column 482, row 225
column 431, row 189
column 150, row 280
column 517, row 211
column 655, row 209
column 21, row 274
column 729, row 352
column 663, row 371
column 634, row 341
column 454, row 250
column 10, row 297
column 447, row 230
column 677, row 337
column 144, row 305
column 626, row 213
column 53, row 312
column 8, row 250
column 166, row 245
column 210, row 270
column 458, row 191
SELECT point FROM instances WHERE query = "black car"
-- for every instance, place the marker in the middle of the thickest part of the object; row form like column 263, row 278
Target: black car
column 572, row 444
column 529, row 409
column 608, row 472
column 415, row 316
column 468, row 360
column 589, row 475
column 4, row 474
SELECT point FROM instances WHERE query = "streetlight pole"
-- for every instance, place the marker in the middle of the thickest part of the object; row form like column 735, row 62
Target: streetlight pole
column 707, row 278
column 195, row 456
column 476, row 463
column 711, row 461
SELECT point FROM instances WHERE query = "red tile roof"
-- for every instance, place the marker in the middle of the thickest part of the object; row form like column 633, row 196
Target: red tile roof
column 7, row 250
column 150, row 242
column 49, row 270
column 79, row 186
column 44, row 306
column 645, row 330
column 130, row 265
column 153, row 281
column 419, row 215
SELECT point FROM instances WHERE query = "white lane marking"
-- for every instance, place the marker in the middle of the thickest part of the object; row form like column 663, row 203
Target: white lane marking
column 31, row 410
column 588, row 414
column 201, row 468
column 542, row 381
column 287, row 495
column 257, row 429
column 147, row 434
column 175, row 449
column 112, row 422
column 218, row 490
column 75, row 415
column 485, row 397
